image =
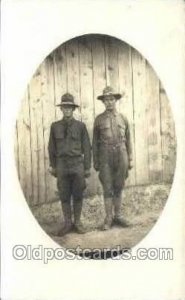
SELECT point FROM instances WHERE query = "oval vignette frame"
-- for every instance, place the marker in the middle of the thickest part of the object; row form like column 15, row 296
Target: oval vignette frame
column 83, row 66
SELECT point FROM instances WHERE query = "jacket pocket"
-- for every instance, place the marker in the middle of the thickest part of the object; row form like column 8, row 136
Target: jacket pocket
column 60, row 142
column 105, row 131
column 59, row 135
column 122, row 130
column 75, row 134
column 76, row 140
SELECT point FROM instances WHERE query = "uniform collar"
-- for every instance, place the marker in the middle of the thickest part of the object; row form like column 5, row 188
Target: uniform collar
column 111, row 113
column 67, row 121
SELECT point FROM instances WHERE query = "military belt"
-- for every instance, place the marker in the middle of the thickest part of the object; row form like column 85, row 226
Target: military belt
column 113, row 146
column 70, row 156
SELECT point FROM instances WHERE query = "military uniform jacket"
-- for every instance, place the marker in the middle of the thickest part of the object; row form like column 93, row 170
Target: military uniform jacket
column 111, row 130
column 72, row 141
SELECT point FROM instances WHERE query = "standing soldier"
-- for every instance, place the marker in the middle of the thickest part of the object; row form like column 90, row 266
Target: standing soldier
column 112, row 155
column 70, row 161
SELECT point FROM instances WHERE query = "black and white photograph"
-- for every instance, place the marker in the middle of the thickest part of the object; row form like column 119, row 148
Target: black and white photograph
column 95, row 144
column 92, row 150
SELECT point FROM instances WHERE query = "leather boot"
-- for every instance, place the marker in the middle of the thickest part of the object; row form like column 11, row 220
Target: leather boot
column 77, row 214
column 108, row 210
column 118, row 218
column 66, row 208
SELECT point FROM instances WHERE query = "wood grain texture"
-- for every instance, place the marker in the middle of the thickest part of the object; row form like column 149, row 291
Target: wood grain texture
column 24, row 149
column 168, row 138
column 86, row 83
column 99, row 82
column 36, row 135
column 153, row 120
column 140, row 119
column 58, row 63
column 126, row 102
column 111, row 62
column 40, row 151
column 73, row 74
column 48, row 105
column 99, row 72
column 83, row 67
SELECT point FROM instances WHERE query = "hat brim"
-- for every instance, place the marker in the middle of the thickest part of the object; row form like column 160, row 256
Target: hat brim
column 117, row 96
column 68, row 104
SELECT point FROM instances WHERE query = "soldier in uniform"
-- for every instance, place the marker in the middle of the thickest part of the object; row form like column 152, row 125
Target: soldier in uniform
column 112, row 154
column 70, row 161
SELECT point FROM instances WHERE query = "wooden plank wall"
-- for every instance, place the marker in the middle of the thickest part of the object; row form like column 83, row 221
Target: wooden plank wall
column 83, row 67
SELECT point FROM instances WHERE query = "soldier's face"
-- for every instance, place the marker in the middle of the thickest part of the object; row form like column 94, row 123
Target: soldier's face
column 67, row 111
column 110, row 102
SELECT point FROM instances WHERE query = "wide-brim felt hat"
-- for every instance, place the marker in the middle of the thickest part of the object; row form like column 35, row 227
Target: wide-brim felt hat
column 107, row 92
column 67, row 100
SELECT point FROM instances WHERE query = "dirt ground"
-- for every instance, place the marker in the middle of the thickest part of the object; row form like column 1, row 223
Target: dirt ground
column 141, row 206
column 124, row 237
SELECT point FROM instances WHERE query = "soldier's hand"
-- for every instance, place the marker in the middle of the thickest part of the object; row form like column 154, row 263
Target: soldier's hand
column 130, row 165
column 87, row 173
column 52, row 171
column 96, row 167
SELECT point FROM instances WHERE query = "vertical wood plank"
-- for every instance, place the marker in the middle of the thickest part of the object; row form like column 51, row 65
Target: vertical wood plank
column 84, row 67
column 111, row 59
column 48, row 103
column 126, row 102
column 87, row 95
column 99, row 76
column 24, row 151
column 140, row 117
column 60, row 76
column 99, row 83
column 168, row 138
column 154, row 134
column 73, row 74
column 36, row 135
column 86, row 83
column 40, row 141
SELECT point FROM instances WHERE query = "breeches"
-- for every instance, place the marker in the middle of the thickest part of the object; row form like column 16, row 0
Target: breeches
column 113, row 172
column 70, row 178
